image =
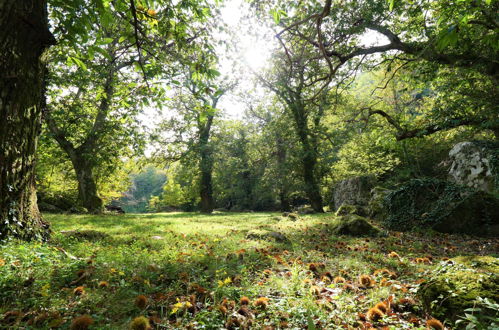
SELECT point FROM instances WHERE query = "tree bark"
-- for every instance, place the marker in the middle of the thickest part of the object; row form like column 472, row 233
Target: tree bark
column 24, row 36
column 308, row 159
column 87, row 187
column 206, row 168
column 281, row 163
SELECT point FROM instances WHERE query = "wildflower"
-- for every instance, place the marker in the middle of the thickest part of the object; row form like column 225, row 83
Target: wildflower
column 339, row 279
column 382, row 307
column 394, row 255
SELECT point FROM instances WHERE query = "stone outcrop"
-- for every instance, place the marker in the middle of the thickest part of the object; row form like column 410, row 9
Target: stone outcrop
column 474, row 164
column 353, row 191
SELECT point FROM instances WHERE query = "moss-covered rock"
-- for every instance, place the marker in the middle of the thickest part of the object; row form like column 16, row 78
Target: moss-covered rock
column 376, row 208
column 354, row 225
column 458, row 283
column 346, row 209
column 442, row 206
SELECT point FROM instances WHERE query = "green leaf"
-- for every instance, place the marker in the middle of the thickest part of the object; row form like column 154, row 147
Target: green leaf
column 78, row 62
column 310, row 323
column 391, row 4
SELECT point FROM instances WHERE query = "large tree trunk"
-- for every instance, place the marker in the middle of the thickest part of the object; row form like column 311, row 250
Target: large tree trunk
column 206, row 189
column 206, row 169
column 24, row 36
column 308, row 160
column 283, row 185
column 87, row 187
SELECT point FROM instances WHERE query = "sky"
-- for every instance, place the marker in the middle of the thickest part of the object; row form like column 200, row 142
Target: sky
column 253, row 43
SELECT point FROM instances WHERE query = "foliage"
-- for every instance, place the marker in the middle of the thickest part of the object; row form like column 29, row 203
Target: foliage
column 483, row 315
column 178, row 192
column 145, row 184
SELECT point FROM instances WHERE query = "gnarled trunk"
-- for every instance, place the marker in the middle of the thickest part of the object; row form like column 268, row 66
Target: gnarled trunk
column 24, row 36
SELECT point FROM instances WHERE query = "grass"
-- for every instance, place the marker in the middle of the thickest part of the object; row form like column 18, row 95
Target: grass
column 191, row 270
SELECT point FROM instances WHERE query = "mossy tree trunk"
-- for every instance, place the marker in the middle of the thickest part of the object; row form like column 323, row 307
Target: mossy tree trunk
column 283, row 184
column 308, row 157
column 24, row 36
column 206, row 167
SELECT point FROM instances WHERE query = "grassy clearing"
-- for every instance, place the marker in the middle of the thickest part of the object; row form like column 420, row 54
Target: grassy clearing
column 186, row 270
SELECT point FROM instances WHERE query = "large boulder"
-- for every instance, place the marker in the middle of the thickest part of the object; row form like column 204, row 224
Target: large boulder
column 354, row 225
column 475, row 164
column 457, row 284
column 353, row 191
column 442, row 206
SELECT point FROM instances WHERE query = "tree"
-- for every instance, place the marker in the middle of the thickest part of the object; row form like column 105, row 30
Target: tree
column 437, row 37
column 92, row 116
column 295, row 81
column 24, row 38
column 93, row 109
column 195, row 105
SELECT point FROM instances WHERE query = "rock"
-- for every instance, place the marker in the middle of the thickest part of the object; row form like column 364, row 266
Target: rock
column 353, row 191
column 376, row 208
column 442, row 206
column 346, row 209
column 476, row 165
column 457, row 284
column 266, row 234
column 354, row 225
